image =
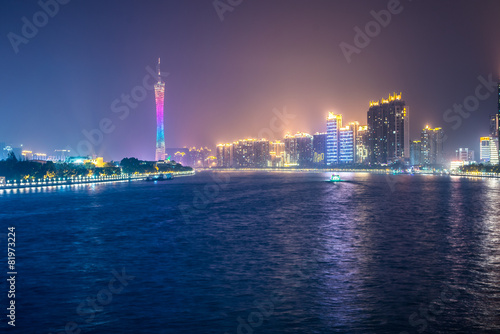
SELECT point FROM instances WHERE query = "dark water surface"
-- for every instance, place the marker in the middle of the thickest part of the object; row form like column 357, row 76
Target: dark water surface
column 257, row 253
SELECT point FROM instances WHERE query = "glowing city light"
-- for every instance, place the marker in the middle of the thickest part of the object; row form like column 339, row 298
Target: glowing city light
column 160, row 134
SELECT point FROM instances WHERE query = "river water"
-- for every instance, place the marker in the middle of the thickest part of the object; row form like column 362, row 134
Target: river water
column 257, row 252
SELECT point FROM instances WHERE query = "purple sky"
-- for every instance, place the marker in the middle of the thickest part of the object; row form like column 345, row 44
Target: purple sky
column 226, row 77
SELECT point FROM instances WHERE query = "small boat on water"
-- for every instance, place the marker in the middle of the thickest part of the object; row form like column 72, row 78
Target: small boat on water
column 160, row 177
column 335, row 178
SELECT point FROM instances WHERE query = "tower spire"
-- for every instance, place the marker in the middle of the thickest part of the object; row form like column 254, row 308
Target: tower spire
column 158, row 70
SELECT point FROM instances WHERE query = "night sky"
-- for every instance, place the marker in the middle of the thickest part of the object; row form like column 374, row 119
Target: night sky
column 226, row 77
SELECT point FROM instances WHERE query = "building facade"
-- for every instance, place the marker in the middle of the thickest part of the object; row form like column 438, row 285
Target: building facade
column 388, row 130
column 243, row 153
column 347, row 143
column 225, row 155
column 277, row 154
column 304, row 149
column 415, row 152
column 432, row 146
column 464, row 154
column 362, row 145
column 319, row 149
column 250, row 153
column 333, row 125
column 489, row 150
column 261, row 156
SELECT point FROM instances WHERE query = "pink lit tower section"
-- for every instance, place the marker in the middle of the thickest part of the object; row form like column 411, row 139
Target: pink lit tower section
column 160, row 133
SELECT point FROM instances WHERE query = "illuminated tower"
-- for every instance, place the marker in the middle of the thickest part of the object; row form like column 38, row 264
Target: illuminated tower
column 160, row 133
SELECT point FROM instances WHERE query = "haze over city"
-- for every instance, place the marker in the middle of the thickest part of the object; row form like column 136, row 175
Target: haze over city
column 225, row 77
column 249, row 166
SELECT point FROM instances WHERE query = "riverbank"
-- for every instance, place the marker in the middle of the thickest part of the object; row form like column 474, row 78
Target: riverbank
column 84, row 180
column 294, row 170
column 344, row 170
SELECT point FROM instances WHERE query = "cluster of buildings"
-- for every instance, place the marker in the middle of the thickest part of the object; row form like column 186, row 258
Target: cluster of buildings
column 384, row 139
column 192, row 156
column 58, row 156
column 429, row 149
column 25, row 154
column 488, row 147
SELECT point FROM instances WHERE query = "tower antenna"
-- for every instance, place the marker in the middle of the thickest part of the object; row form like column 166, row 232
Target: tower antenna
column 158, row 70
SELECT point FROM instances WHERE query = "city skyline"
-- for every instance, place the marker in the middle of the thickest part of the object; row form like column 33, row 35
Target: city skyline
column 250, row 166
column 228, row 92
column 409, row 137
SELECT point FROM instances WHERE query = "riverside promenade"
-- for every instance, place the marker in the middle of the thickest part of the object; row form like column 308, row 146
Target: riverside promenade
column 54, row 182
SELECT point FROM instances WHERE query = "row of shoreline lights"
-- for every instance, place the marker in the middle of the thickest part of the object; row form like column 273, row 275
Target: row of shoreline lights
column 59, row 180
column 62, row 180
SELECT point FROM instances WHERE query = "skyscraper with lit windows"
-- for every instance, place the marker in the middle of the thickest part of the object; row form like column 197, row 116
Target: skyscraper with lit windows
column 319, row 149
column 333, row 125
column 388, row 130
column 347, row 143
column 497, row 135
column 160, row 134
column 431, row 147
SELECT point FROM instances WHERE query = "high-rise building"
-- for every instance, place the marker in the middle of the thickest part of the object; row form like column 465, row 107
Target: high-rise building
column 362, row 144
column 494, row 125
column 319, row 149
column 298, row 149
column 498, row 113
column 432, row 146
column 304, row 149
column 388, row 130
column 198, row 156
column 489, row 150
column 160, row 134
column 243, row 153
column 347, row 143
column 291, row 155
column 415, row 152
column 484, row 151
column 277, row 154
column 333, row 125
column 261, row 153
column 464, row 154
column 224, row 155
column 494, row 158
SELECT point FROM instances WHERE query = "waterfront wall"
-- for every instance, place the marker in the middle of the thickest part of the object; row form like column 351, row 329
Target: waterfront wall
column 82, row 180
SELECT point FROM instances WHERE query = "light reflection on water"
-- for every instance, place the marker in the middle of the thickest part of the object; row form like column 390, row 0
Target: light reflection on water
column 355, row 256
